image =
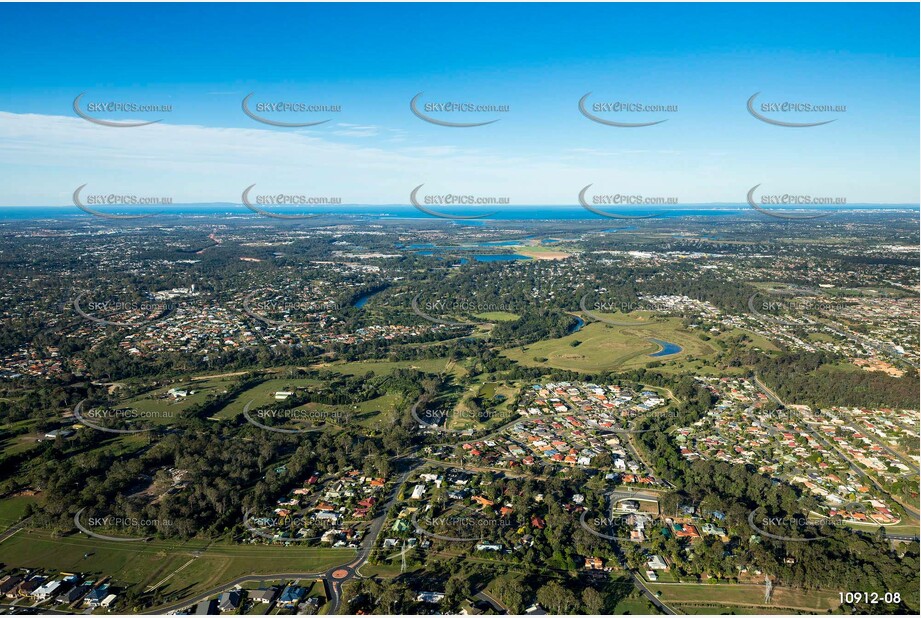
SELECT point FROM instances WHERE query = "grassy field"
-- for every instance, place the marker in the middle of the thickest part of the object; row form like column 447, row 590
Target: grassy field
column 704, row 366
column 497, row 316
column 542, row 252
column 462, row 416
column 747, row 595
column 379, row 410
column 262, row 395
column 603, row 347
column 15, row 445
column 729, row 610
column 157, row 401
column 13, row 508
column 157, row 562
column 381, row 367
column 634, row 605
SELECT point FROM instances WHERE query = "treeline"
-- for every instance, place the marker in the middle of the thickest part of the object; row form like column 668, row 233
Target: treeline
column 533, row 325
column 227, row 466
column 559, row 594
column 225, row 471
column 844, row 560
column 815, row 379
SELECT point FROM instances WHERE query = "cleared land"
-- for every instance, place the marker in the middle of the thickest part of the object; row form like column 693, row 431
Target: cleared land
column 751, row 595
column 602, row 347
column 13, row 508
column 145, row 564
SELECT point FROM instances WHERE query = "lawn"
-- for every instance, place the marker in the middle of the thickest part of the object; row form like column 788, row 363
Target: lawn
column 542, row 252
column 263, row 394
column 370, row 413
column 604, row 347
column 145, row 564
column 157, row 401
column 497, row 316
column 728, row 610
column 634, row 605
column 747, row 594
column 13, row 508
column 374, row 413
column 382, row 367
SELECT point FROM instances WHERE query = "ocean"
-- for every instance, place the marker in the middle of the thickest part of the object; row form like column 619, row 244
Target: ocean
column 399, row 211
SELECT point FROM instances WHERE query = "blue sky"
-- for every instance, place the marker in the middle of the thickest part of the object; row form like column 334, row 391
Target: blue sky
column 537, row 59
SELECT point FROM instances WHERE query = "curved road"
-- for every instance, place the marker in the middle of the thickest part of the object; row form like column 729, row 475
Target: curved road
column 335, row 576
column 832, row 448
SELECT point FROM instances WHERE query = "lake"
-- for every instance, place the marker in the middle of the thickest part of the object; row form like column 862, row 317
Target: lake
column 667, row 348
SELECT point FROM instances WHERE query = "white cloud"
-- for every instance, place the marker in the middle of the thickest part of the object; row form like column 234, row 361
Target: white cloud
column 44, row 158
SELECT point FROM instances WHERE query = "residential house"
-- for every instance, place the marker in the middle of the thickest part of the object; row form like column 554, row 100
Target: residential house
column 593, row 563
column 206, row 608
column 96, row 595
column 263, row 595
column 291, row 595
column 229, row 601
column 430, row 597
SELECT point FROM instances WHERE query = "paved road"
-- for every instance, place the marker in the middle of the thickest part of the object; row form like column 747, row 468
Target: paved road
column 337, row 576
column 638, row 582
column 496, row 605
column 860, row 471
column 163, row 609
column 14, row 529
column 876, row 440
column 821, row 439
column 34, row 610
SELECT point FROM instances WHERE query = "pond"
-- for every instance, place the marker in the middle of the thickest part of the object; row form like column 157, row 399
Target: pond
column 362, row 300
column 667, row 348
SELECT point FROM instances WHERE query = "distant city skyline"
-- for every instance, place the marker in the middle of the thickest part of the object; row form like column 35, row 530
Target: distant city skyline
column 701, row 64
